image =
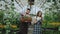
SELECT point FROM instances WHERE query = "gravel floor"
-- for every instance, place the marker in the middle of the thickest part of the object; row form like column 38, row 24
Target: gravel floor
column 30, row 29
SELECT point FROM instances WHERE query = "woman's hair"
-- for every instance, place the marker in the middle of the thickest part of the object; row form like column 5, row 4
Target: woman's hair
column 28, row 9
column 38, row 13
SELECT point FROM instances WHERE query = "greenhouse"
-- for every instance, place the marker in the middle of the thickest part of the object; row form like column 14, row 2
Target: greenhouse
column 12, row 14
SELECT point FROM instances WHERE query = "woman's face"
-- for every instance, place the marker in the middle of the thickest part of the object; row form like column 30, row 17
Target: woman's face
column 39, row 13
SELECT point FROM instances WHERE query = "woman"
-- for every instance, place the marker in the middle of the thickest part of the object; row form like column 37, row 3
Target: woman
column 37, row 23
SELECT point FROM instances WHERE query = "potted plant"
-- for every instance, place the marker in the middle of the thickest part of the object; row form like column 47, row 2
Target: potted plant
column 26, row 18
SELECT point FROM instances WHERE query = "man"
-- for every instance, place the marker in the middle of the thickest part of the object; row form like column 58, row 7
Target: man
column 24, row 25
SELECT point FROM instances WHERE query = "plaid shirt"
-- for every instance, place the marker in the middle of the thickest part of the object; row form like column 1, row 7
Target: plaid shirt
column 37, row 28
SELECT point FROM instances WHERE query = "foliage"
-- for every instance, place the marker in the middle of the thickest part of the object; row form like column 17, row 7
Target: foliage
column 52, row 13
column 1, row 16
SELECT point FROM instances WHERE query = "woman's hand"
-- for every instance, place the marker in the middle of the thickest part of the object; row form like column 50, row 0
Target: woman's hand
column 34, row 21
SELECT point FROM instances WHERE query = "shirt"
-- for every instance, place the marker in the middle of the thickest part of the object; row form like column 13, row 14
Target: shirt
column 35, row 19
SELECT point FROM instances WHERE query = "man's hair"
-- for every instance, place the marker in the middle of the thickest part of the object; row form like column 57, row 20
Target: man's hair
column 28, row 9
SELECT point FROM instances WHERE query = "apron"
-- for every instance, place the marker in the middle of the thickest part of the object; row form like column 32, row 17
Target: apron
column 37, row 28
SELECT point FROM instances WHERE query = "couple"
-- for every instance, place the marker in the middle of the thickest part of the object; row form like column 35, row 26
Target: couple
column 36, row 20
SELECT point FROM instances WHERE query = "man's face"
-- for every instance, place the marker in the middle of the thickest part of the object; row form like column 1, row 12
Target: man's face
column 28, row 11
